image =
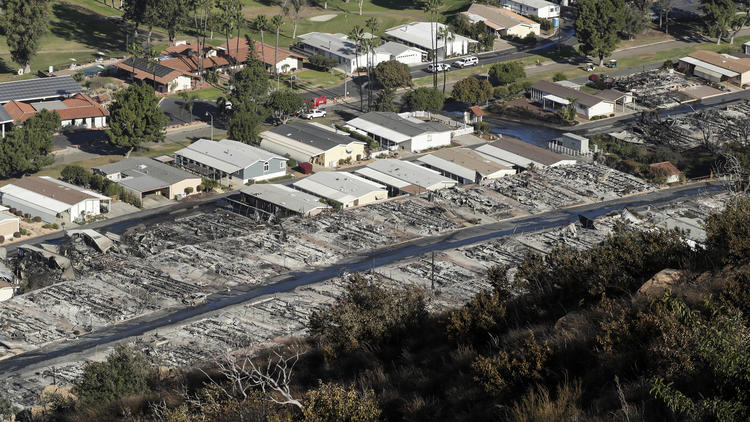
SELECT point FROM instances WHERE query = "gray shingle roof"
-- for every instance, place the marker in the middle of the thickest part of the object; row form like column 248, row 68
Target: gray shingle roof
column 39, row 88
column 146, row 173
column 564, row 92
column 397, row 123
column 313, row 135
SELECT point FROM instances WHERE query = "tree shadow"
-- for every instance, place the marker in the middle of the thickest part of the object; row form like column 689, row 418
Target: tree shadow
column 394, row 4
column 87, row 28
column 5, row 68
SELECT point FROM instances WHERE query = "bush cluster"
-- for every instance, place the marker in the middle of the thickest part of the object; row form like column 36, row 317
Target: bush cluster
column 83, row 177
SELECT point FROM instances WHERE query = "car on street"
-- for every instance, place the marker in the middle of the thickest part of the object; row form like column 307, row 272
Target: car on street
column 440, row 67
column 316, row 112
column 466, row 62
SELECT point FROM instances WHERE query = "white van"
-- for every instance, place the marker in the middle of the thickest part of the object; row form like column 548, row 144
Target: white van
column 439, row 68
column 466, row 61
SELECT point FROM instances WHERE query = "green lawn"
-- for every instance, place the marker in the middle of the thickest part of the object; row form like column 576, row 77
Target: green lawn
column 101, row 7
column 206, row 94
column 312, row 79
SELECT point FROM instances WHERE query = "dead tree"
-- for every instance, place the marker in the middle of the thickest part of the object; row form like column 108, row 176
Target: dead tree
column 731, row 168
column 274, row 378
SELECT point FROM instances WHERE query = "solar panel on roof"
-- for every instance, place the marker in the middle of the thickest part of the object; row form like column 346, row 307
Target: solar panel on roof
column 39, row 88
column 153, row 68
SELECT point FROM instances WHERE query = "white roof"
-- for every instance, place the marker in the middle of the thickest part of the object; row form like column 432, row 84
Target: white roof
column 720, row 70
column 34, row 200
column 284, row 196
column 382, row 177
column 418, row 33
column 413, row 174
column 339, row 186
column 536, row 4
column 556, row 99
column 448, row 166
column 226, row 155
column 337, row 44
column 396, row 49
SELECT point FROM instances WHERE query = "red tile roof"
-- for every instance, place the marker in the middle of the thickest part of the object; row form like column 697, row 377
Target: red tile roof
column 143, row 75
column 79, row 106
column 244, row 51
column 477, row 111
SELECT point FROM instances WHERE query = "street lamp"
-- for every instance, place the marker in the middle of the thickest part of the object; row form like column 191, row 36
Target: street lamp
column 212, row 124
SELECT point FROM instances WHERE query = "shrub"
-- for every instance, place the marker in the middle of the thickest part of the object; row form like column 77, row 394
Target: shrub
column 501, row 92
column 188, row 190
column 482, row 127
column 76, row 175
column 560, row 76
column 24, row 232
column 505, row 73
column 17, row 235
column 27, row 216
column 79, row 77
column 124, row 373
column 321, row 62
column 37, row 219
column 2, row 238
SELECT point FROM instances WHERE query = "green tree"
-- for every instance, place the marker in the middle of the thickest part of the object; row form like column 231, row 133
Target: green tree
column 432, row 9
column 473, row 91
column 135, row 117
column 392, row 74
column 334, row 403
column 7, row 409
column 728, row 233
column 75, row 174
column 322, row 62
column 261, row 25
column 26, row 149
column 718, row 16
column 384, row 101
column 597, row 26
column 276, row 23
column 424, row 99
column 245, row 125
column 357, row 36
column 124, row 373
column 249, row 86
column 635, row 22
column 284, row 104
column 188, row 102
column 24, row 22
column 505, row 73
column 171, row 16
column 367, row 313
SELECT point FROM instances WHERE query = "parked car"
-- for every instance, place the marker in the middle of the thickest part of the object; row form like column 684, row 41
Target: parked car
column 466, row 62
column 316, row 112
column 440, row 67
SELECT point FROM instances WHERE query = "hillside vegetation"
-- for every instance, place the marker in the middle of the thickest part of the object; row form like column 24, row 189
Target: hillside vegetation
column 593, row 335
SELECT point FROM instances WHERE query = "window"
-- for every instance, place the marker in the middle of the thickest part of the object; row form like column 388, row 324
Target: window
column 282, row 164
column 265, row 166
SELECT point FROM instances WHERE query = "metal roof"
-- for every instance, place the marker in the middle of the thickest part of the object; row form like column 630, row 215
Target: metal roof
column 710, row 67
column 392, row 126
column 418, row 33
column 565, row 92
column 413, row 174
column 226, row 155
column 522, row 153
column 284, row 197
column 396, row 49
column 463, row 162
column 499, row 16
column 338, row 44
column 536, row 4
column 339, row 186
column 43, row 195
column 4, row 116
column 317, row 136
column 39, row 88
column 136, row 167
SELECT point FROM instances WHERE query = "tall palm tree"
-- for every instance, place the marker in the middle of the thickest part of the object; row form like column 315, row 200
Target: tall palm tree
column 261, row 25
column 357, row 35
column 276, row 23
column 371, row 44
column 432, row 8
column 297, row 6
column 446, row 35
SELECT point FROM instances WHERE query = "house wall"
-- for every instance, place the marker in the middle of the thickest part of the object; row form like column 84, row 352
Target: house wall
column 547, row 12
column 409, row 57
column 179, row 187
column 371, row 197
column 292, row 62
column 522, row 31
column 89, row 206
column 332, row 156
column 281, row 149
column 28, row 208
column 600, row 109
column 256, row 172
column 427, row 141
column 183, row 83
column 8, row 227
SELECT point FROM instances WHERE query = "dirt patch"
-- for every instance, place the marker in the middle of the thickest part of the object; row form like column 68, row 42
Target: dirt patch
column 322, row 18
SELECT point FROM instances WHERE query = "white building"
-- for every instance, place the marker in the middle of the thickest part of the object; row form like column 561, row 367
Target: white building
column 503, row 22
column 512, row 152
column 538, row 8
column 422, row 35
column 398, row 131
column 464, row 165
column 340, row 48
column 411, row 178
column 570, row 143
column 49, row 199
column 402, row 53
column 342, row 188
column 553, row 96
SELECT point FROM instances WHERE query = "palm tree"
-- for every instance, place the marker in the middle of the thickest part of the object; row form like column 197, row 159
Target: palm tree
column 297, row 6
column 357, row 35
column 261, row 24
column 370, row 44
column 276, row 23
column 432, row 7
column 188, row 102
column 446, row 35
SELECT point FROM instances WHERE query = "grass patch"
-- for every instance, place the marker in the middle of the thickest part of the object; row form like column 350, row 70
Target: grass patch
column 207, row 94
column 97, row 6
column 312, row 79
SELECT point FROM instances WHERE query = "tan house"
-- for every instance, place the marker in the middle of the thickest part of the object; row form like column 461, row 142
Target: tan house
column 503, row 22
column 313, row 143
column 716, row 67
column 343, row 188
column 145, row 176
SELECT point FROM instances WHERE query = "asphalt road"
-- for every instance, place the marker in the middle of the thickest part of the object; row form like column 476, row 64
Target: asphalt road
column 78, row 348
column 172, row 107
